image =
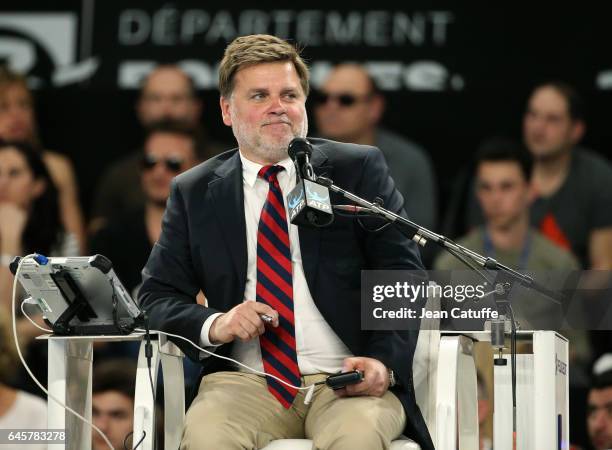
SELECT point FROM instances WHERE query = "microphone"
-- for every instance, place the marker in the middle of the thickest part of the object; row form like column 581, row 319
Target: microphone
column 299, row 151
column 309, row 204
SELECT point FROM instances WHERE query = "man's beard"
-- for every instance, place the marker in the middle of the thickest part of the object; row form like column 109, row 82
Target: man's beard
column 549, row 154
column 266, row 148
column 271, row 152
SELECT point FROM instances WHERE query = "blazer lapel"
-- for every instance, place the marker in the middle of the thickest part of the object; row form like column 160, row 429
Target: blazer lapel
column 228, row 203
column 310, row 238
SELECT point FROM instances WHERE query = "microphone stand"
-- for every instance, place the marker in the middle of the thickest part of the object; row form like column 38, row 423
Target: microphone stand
column 502, row 283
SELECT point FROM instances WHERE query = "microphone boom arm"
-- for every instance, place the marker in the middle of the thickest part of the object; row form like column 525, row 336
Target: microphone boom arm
column 422, row 235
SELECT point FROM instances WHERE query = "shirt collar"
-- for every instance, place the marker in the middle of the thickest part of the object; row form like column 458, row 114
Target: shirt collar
column 250, row 169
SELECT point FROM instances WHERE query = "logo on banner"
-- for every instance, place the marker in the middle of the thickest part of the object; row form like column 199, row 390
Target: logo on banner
column 42, row 46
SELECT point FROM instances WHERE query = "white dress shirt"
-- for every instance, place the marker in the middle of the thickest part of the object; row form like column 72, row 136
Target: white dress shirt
column 319, row 350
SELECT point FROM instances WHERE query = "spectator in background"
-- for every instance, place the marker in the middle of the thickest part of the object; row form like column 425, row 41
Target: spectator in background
column 18, row 409
column 349, row 108
column 18, row 123
column 169, row 149
column 573, row 185
column 29, row 222
column 29, row 211
column 599, row 411
column 503, row 174
column 112, row 402
column 167, row 93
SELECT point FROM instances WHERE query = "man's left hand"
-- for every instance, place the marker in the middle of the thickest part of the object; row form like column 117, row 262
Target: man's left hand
column 375, row 377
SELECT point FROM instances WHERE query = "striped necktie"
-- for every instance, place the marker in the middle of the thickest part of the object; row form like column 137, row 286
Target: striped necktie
column 275, row 288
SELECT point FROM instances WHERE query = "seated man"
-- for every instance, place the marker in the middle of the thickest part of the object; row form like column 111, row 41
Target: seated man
column 112, row 402
column 349, row 108
column 504, row 192
column 169, row 149
column 599, row 411
column 225, row 232
column 573, row 184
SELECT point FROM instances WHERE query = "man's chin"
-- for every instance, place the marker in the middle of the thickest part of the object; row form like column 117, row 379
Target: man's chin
column 545, row 154
column 500, row 224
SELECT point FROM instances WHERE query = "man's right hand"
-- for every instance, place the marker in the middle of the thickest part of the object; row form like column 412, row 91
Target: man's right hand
column 242, row 322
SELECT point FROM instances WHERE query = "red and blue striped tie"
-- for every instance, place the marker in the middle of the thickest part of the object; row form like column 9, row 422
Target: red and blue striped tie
column 275, row 288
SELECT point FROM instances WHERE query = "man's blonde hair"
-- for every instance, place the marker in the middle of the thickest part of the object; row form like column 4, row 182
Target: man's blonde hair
column 246, row 51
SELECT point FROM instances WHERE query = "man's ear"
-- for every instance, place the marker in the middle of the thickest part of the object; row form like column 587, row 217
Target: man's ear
column 225, row 111
column 376, row 109
column 578, row 130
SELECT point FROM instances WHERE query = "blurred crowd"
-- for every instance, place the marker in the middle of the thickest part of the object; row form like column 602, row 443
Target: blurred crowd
column 539, row 201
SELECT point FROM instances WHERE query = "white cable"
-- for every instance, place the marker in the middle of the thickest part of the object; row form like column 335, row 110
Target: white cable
column 46, row 330
column 305, row 388
column 67, row 408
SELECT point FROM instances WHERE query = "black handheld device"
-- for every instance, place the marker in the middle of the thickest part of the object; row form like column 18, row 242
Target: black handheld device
column 343, row 379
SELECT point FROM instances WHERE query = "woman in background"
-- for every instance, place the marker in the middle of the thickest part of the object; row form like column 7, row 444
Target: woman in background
column 29, row 211
column 18, row 123
column 29, row 222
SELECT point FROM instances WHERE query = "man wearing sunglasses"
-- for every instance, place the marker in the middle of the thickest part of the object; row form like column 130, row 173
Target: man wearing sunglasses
column 168, row 93
column 169, row 149
column 349, row 108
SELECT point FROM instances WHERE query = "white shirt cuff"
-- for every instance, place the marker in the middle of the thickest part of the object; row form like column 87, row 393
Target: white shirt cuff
column 204, row 338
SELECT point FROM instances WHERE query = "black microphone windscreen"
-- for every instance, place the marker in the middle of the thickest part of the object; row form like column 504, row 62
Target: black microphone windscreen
column 297, row 147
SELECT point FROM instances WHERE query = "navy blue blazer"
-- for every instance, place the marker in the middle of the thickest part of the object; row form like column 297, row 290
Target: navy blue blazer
column 203, row 246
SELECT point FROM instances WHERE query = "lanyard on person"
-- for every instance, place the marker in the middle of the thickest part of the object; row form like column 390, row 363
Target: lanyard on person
column 489, row 249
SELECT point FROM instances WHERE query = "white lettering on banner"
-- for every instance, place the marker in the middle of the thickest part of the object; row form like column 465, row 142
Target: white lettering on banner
column 343, row 30
column 315, row 27
column 440, row 21
column 308, row 27
column 134, row 27
column 411, row 28
column 194, row 22
column 426, row 76
column 603, row 80
column 222, row 28
column 165, row 27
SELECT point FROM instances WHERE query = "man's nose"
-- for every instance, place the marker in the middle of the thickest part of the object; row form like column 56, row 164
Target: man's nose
column 277, row 106
column 537, row 123
column 599, row 421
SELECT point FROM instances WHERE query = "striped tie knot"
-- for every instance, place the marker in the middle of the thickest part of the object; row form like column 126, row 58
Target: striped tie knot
column 269, row 173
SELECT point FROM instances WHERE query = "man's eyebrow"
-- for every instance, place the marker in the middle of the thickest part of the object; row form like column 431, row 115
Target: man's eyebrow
column 592, row 407
column 289, row 89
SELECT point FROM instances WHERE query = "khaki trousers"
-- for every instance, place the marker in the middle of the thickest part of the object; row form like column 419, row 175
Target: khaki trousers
column 235, row 410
